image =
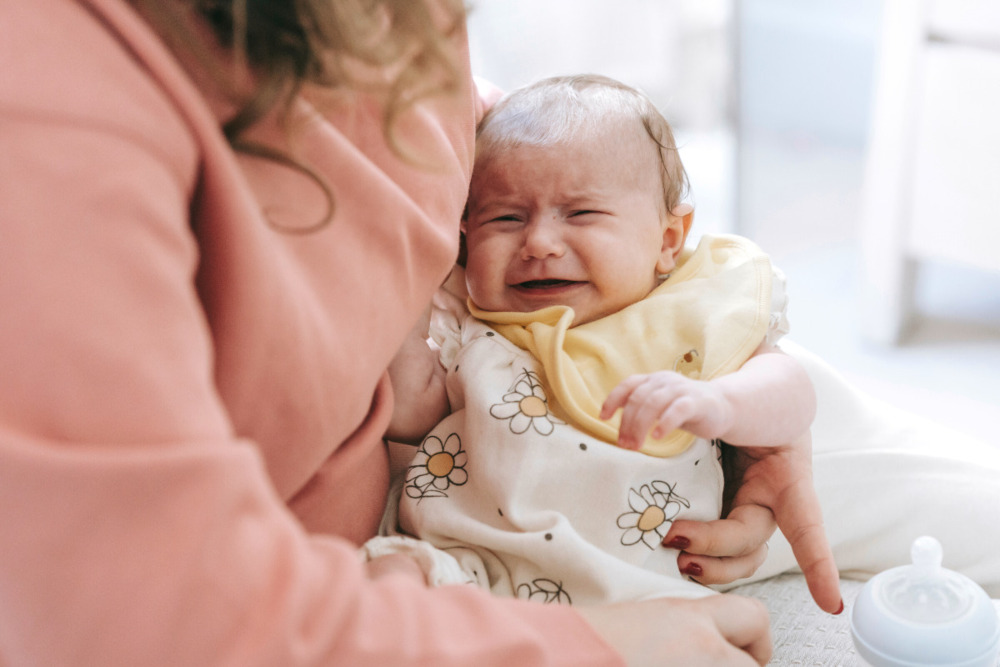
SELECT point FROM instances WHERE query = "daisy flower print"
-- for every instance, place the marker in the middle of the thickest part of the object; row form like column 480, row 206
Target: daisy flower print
column 526, row 407
column 436, row 467
column 653, row 508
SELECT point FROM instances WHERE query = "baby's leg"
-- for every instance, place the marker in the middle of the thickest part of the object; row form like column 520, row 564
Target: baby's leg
column 875, row 503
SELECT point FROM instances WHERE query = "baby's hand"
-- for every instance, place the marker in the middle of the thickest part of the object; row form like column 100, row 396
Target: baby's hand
column 664, row 401
column 395, row 564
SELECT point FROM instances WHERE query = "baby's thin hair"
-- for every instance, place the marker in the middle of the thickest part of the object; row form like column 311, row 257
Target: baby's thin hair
column 561, row 109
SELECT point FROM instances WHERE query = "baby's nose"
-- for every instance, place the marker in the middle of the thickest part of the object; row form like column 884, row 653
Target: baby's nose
column 542, row 238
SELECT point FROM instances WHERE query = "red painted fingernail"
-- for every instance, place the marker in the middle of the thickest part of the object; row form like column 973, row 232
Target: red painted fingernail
column 692, row 569
column 841, row 610
column 679, row 543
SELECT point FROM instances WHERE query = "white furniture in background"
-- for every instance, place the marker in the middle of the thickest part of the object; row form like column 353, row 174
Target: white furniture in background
column 932, row 183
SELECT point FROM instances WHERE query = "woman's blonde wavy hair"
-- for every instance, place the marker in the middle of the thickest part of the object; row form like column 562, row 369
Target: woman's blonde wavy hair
column 326, row 44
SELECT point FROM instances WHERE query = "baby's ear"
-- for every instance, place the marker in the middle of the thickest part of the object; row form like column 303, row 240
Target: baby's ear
column 675, row 233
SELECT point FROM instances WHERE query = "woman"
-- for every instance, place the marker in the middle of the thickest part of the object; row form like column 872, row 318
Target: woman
column 220, row 219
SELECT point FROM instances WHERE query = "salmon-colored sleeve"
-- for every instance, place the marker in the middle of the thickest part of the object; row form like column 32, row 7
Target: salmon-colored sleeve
column 138, row 528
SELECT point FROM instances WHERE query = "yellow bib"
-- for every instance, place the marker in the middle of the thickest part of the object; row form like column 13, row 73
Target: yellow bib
column 705, row 320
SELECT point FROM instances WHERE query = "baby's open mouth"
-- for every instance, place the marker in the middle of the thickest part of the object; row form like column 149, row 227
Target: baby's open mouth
column 544, row 284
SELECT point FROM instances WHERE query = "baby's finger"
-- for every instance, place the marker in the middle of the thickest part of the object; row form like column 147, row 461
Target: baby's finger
column 619, row 396
column 644, row 409
column 675, row 415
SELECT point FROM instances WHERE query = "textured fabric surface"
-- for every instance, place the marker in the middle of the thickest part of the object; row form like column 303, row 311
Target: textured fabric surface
column 804, row 635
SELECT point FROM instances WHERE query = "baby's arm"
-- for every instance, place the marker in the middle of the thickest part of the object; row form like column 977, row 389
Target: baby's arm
column 766, row 407
column 418, row 384
column 768, row 400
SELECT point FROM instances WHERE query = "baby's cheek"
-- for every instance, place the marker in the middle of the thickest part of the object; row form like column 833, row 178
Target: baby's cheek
column 480, row 293
column 484, row 273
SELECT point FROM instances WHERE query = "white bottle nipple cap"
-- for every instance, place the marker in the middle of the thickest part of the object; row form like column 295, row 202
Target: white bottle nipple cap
column 924, row 614
column 925, row 593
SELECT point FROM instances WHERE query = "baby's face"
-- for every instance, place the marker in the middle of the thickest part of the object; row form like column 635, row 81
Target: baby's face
column 582, row 225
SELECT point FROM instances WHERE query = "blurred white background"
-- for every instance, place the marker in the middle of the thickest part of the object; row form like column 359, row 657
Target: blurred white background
column 771, row 101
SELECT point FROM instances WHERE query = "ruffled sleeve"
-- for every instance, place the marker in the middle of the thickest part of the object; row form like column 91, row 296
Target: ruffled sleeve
column 448, row 311
column 778, row 325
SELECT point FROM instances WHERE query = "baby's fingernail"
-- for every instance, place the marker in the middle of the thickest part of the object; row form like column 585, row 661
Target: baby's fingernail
column 692, row 569
column 679, row 543
column 841, row 610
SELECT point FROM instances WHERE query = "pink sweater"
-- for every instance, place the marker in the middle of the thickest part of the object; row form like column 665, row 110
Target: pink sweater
column 182, row 388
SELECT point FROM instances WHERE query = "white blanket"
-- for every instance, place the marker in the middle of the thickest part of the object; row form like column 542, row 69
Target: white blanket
column 886, row 476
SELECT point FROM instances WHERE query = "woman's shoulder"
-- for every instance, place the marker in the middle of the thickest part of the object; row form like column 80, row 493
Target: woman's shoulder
column 94, row 66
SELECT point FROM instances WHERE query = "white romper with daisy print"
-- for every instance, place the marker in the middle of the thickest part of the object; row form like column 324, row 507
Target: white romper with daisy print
column 535, row 501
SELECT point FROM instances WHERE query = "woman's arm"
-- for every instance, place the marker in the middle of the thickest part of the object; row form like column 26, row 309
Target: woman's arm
column 145, row 526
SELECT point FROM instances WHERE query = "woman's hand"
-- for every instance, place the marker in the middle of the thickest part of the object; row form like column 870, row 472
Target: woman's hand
column 717, row 630
column 722, row 551
column 767, row 485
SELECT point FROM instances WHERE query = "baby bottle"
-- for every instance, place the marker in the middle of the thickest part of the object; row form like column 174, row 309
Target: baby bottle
column 925, row 615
